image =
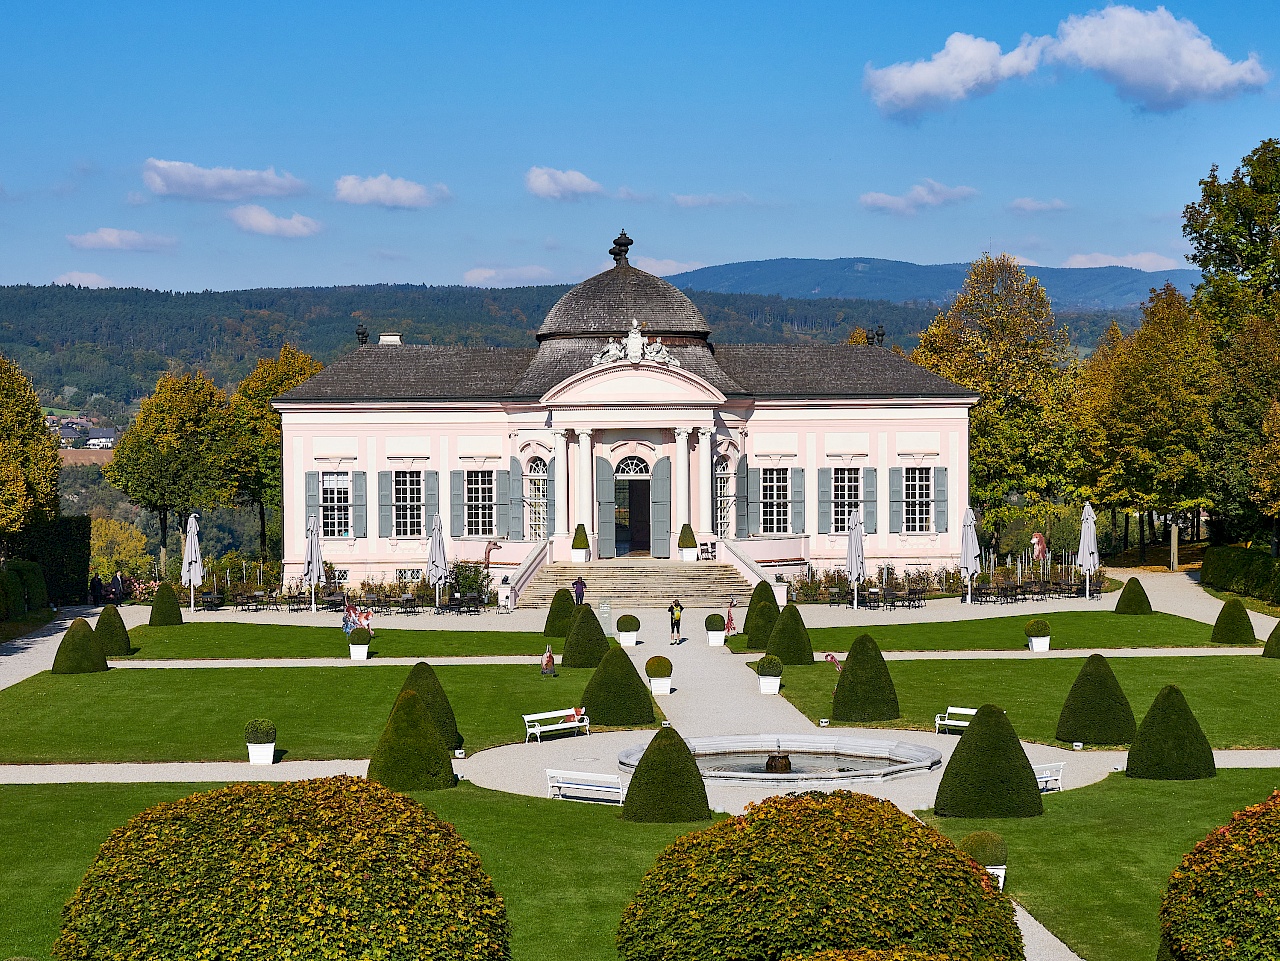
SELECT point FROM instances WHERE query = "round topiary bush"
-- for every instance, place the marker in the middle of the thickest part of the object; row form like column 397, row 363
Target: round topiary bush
column 989, row 775
column 165, row 610
column 331, row 867
column 865, row 691
column 260, row 731
column 616, row 695
column 714, row 622
column 1273, row 643
column 1223, row 900
column 789, row 641
column 762, row 612
column 986, row 847
column 79, row 651
column 559, row 614
column 628, row 623
column 586, row 644
column 411, row 753
column 769, row 666
column 1096, row 710
column 1037, row 627
column 1169, row 745
column 1233, row 626
column 750, row 888
column 422, row 681
column 657, row 666
column 112, row 635
column 667, row 786
column 359, row 635
column 1133, row 599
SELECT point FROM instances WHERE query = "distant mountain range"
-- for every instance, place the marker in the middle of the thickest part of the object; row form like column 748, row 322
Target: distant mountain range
column 1070, row 288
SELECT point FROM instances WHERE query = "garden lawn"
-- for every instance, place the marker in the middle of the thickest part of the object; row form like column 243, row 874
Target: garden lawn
column 1094, row 868
column 1233, row 697
column 198, row 714
column 203, row 640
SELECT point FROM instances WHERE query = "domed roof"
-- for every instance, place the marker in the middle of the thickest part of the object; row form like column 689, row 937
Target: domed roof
column 604, row 305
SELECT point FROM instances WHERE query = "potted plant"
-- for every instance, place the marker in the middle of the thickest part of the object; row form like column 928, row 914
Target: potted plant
column 1037, row 632
column 658, row 670
column 688, row 544
column 769, row 669
column 581, row 546
column 260, row 738
column 628, row 630
column 715, row 629
column 358, row 643
column 989, row 850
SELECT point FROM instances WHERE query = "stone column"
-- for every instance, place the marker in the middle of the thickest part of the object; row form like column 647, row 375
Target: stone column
column 681, row 479
column 586, row 482
column 706, row 462
column 562, row 482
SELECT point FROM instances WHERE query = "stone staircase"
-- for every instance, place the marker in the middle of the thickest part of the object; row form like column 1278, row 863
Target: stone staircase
column 629, row 582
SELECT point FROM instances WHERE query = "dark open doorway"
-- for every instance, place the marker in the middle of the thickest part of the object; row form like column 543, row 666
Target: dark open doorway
column 631, row 515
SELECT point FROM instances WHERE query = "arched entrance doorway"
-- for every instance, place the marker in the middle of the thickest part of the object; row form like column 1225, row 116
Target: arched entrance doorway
column 631, row 506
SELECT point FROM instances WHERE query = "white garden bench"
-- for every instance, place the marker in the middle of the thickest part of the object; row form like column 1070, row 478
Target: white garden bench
column 536, row 725
column 956, row 718
column 1049, row 776
column 576, row 784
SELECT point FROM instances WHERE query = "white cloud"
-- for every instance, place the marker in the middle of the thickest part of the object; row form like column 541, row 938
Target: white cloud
column 387, row 191
column 1143, row 261
column 79, row 278
column 709, row 200
column 177, row 178
column 1025, row 261
column 928, row 193
column 635, row 196
column 1029, row 205
column 552, row 184
column 259, row 220
column 109, row 238
column 664, row 268
column 506, row 276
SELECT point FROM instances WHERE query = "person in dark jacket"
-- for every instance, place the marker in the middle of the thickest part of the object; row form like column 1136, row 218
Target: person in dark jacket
column 579, row 590
column 117, row 588
column 95, row 590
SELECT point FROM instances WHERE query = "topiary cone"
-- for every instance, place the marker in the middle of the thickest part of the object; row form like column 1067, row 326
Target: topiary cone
column 79, row 651
column 411, row 755
column 165, row 610
column 1096, row 710
column 762, row 612
column 1273, row 643
column 616, row 695
column 1233, row 625
column 1133, row 599
column 989, row 775
column 422, row 681
column 667, row 786
column 1170, row 746
column 112, row 635
column 559, row 614
column 789, row 642
column 865, row 691
column 586, row 644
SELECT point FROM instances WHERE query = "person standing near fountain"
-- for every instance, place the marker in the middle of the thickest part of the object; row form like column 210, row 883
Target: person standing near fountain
column 675, row 610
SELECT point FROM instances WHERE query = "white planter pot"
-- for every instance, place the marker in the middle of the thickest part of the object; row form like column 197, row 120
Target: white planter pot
column 1038, row 645
column 660, row 685
column 715, row 638
column 688, row 554
column 579, row 554
column 359, row 652
column 628, row 638
column 770, row 685
column 997, row 871
column 262, row 753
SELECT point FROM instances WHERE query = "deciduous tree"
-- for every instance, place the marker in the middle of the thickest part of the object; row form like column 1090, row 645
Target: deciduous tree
column 117, row 546
column 28, row 453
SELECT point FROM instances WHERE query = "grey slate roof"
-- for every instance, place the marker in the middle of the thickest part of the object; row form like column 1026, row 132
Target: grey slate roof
column 558, row 359
column 829, row 370
column 604, row 305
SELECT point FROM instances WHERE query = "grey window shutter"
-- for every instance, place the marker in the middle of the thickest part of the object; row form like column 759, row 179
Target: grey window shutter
column 940, row 499
column 870, row 500
column 824, row 500
column 660, row 509
column 430, row 500
column 457, row 504
column 516, row 531
column 753, row 501
column 359, row 504
column 313, row 495
column 797, row 500
column 386, row 511
column 502, row 503
column 606, row 535
column 740, row 499
column 895, row 500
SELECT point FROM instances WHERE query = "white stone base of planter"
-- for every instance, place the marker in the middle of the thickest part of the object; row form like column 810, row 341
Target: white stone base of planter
column 578, row 554
column 262, row 753
column 997, row 871
column 660, row 685
column 715, row 638
column 1038, row 645
column 770, row 685
column 359, row 652
column 628, row 638
column 688, row 554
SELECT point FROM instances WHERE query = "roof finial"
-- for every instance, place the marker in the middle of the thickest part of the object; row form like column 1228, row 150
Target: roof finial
column 619, row 249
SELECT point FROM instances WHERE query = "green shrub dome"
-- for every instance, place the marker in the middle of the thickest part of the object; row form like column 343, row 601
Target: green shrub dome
column 616, row 696
column 1169, row 745
column 986, row 847
column 1038, row 627
column 864, row 690
column 422, row 680
column 559, row 614
column 359, row 635
column 165, row 610
column 1233, row 626
column 1223, row 900
column 79, row 651
column 1096, row 710
column 580, row 541
column 586, row 644
column 989, row 775
column 714, row 622
column 260, row 731
column 658, row 666
column 707, row 896
column 373, row 874
column 1273, row 643
column 769, row 666
column 112, row 635
column 411, row 753
column 1133, row 599
column 667, row 786
column 762, row 612
column 628, row 623
column 789, row 642
column 687, row 541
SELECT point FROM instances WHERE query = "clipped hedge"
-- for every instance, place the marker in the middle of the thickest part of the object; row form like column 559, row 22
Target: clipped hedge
column 1223, row 900
column 628, row 623
column 762, row 612
column 586, row 644
column 657, row 666
column 789, row 642
column 616, row 696
column 749, row 888
column 13, row 598
column 559, row 614
column 1037, row 627
column 1133, row 599
column 667, row 786
column 1233, row 626
column 113, row 636
column 165, row 609
column 260, row 730
column 1273, row 643
column 865, row 691
column 713, row 622
column 1096, row 710
column 989, row 775
column 1241, row 570
column 580, row 540
column 1170, row 746
column 324, row 868
column 60, row 546
column 359, row 635
column 769, row 666
column 986, row 847
column 422, row 681
column 411, row 754
column 31, row 577
column 687, row 541
column 79, row 651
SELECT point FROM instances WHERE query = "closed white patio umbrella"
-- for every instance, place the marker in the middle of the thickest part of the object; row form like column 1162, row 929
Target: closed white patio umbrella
column 970, row 555
column 1088, row 554
column 313, row 560
column 437, row 561
column 857, row 559
column 192, row 562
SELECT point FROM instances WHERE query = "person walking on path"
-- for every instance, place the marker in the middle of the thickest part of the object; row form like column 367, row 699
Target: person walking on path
column 579, row 590
column 117, row 588
column 729, row 628
column 675, row 610
column 95, row 590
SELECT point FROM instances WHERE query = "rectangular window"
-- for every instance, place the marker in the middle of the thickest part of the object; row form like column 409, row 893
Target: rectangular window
column 341, row 575
column 917, row 500
column 480, row 503
column 408, row 573
column 724, row 503
column 408, row 503
column 846, row 497
column 536, row 503
column 775, row 500
column 335, row 504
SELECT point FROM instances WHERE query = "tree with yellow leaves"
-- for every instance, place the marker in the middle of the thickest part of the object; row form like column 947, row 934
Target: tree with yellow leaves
column 1265, row 465
column 29, row 462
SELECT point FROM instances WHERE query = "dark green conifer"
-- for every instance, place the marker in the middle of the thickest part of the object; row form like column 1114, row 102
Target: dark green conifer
column 1133, row 599
column 789, row 642
column 616, row 695
column 423, row 681
column 989, row 775
column 79, row 651
column 1233, row 626
column 165, row 610
column 865, row 691
column 1170, row 746
column 667, row 786
column 1273, row 643
column 586, row 644
column 112, row 636
column 1096, row 710
column 411, row 755
column 762, row 612
column 559, row 614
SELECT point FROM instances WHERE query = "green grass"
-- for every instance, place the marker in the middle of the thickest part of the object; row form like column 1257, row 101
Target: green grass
column 271, row 640
column 1233, row 697
column 20, row 627
column 198, row 714
column 1250, row 603
column 1094, row 867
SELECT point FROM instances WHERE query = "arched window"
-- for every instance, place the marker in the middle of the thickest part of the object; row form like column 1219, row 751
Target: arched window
column 723, row 495
column 631, row 467
column 535, row 498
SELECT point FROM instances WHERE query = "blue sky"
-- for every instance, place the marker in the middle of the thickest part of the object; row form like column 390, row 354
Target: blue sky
column 243, row 145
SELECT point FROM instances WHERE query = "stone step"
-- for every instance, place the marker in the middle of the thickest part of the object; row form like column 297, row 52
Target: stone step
column 641, row 582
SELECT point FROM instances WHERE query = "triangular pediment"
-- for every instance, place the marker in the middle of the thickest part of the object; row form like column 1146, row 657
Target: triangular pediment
column 625, row 384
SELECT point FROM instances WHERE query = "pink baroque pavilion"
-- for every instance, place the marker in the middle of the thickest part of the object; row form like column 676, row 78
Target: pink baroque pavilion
column 628, row 420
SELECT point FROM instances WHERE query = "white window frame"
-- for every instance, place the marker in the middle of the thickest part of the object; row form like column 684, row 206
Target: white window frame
column 725, row 493
column 917, row 500
column 536, row 498
column 407, row 501
column 335, row 503
column 480, row 502
column 775, row 500
column 409, row 574
column 846, row 496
